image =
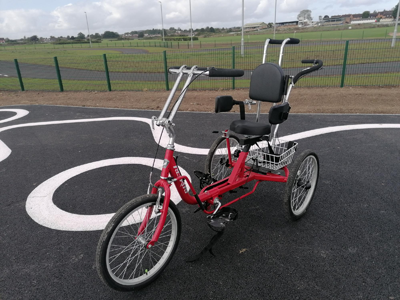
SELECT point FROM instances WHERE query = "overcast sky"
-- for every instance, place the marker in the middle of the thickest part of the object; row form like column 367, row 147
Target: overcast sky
column 19, row 18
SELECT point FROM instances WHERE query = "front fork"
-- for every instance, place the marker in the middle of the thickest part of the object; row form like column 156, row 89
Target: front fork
column 158, row 208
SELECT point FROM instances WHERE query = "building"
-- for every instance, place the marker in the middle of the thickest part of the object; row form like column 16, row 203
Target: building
column 255, row 26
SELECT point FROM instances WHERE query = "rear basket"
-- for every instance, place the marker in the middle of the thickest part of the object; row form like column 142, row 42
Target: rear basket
column 280, row 156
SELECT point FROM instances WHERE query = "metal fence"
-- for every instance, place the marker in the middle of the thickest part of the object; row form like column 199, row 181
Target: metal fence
column 346, row 63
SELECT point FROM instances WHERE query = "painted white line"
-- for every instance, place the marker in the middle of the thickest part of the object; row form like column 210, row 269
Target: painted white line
column 320, row 131
column 4, row 151
column 156, row 132
column 41, row 208
column 19, row 114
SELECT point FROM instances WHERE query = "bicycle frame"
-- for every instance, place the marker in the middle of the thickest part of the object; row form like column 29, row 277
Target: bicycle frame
column 210, row 195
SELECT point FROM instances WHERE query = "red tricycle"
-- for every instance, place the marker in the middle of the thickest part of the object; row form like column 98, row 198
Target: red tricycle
column 142, row 237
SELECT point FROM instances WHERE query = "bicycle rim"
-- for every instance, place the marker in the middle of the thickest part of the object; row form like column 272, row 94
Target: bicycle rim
column 301, row 195
column 128, row 260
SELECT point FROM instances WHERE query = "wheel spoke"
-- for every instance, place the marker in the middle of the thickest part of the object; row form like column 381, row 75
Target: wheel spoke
column 128, row 260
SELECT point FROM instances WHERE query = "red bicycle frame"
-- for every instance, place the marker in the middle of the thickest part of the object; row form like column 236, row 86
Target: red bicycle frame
column 241, row 174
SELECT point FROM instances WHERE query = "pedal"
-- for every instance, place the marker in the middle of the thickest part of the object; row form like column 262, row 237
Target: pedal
column 205, row 179
column 221, row 218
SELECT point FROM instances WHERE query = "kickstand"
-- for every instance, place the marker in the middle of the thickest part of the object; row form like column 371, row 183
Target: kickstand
column 208, row 248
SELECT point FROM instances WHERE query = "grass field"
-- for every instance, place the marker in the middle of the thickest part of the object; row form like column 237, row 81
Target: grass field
column 339, row 33
column 369, row 48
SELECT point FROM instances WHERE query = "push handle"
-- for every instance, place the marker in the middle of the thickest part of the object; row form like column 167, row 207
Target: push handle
column 317, row 65
column 292, row 41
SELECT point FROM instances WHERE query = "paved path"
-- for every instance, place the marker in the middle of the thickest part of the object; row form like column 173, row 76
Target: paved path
column 346, row 247
column 49, row 72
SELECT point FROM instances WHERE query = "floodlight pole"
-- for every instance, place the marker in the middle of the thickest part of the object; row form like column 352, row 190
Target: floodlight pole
column 162, row 23
column 242, row 41
column 395, row 26
column 275, row 20
column 191, row 28
column 87, row 24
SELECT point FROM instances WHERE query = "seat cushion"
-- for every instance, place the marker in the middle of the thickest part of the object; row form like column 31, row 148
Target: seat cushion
column 250, row 127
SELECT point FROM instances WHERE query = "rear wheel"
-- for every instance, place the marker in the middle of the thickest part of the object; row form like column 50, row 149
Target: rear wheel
column 301, row 184
column 123, row 260
column 217, row 162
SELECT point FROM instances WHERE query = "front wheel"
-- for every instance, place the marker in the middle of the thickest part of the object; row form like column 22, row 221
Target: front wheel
column 123, row 261
column 217, row 162
column 301, row 184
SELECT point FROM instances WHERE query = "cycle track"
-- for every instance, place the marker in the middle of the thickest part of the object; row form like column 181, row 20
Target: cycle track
column 102, row 158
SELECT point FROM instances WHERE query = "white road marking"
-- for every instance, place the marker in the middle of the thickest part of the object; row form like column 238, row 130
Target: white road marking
column 19, row 113
column 41, row 208
column 40, row 205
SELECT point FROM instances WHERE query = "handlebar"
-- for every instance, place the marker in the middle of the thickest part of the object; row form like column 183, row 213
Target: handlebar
column 317, row 65
column 211, row 71
column 292, row 41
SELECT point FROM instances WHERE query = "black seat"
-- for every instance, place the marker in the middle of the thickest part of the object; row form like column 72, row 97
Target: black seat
column 267, row 84
column 250, row 128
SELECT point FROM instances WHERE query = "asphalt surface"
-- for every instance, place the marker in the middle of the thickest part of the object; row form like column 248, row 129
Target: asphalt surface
column 346, row 247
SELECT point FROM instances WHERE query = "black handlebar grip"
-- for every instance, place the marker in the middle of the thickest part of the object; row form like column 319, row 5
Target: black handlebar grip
column 292, row 41
column 316, row 67
column 213, row 72
column 308, row 61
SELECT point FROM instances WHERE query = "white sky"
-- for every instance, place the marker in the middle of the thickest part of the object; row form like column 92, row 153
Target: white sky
column 19, row 18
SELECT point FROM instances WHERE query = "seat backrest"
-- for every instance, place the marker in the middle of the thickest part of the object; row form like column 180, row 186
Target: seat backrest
column 267, row 83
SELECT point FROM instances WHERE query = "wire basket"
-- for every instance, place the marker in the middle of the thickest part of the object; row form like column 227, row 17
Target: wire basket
column 275, row 156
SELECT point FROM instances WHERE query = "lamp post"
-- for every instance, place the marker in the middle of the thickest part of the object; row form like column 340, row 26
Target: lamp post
column 395, row 26
column 242, row 41
column 191, row 28
column 162, row 23
column 87, row 24
column 275, row 20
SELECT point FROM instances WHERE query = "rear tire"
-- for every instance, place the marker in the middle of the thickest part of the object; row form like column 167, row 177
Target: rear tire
column 217, row 162
column 123, row 261
column 301, row 184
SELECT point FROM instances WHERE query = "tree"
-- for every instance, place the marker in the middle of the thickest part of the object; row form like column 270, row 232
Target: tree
column 305, row 14
column 394, row 13
column 80, row 36
column 365, row 14
column 141, row 34
column 212, row 29
column 34, row 38
column 110, row 35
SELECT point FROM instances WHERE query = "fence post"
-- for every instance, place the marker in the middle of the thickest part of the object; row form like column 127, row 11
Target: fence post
column 165, row 70
column 58, row 74
column 107, row 73
column 346, row 49
column 233, row 66
column 19, row 75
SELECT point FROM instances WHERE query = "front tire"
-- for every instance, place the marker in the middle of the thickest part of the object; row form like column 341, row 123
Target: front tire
column 301, row 184
column 123, row 261
column 217, row 162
